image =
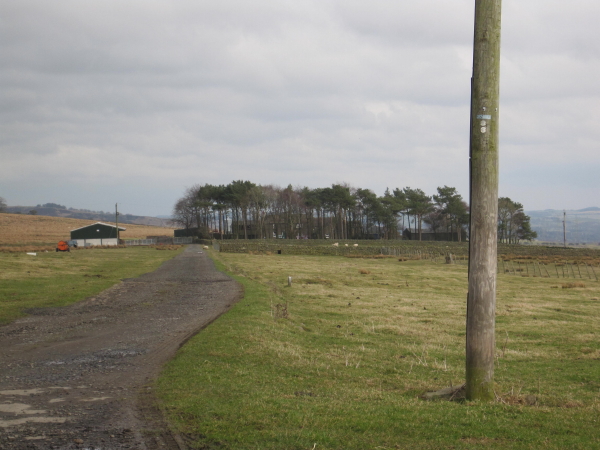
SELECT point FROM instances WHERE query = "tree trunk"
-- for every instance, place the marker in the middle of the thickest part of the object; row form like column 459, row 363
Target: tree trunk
column 221, row 223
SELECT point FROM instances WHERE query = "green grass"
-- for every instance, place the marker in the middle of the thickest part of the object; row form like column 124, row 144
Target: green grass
column 346, row 368
column 59, row 279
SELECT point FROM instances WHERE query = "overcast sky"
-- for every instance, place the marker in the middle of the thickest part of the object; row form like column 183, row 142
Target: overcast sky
column 133, row 101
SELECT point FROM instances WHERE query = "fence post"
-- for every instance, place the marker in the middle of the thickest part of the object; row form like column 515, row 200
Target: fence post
column 587, row 271
column 594, row 272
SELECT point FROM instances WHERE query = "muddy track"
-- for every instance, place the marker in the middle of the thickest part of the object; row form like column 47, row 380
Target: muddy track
column 80, row 377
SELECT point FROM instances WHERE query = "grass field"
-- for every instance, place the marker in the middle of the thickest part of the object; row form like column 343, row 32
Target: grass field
column 37, row 231
column 340, row 359
column 58, row 279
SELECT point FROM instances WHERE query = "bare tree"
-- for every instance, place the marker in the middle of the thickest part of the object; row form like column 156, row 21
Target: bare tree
column 183, row 213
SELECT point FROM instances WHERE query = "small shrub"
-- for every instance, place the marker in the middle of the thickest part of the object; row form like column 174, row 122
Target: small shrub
column 364, row 272
column 573, row 285
column 281, row 311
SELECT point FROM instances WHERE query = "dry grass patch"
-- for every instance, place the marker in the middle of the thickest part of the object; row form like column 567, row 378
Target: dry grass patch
column 317, row 280
column 370, row 256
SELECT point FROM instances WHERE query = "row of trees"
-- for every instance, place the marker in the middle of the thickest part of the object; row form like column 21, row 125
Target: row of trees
column 243, row 209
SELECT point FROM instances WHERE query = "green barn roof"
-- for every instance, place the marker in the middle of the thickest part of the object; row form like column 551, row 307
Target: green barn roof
column 96, row 230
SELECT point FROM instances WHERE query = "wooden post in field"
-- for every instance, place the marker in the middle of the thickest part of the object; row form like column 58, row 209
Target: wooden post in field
column 117, row 222
column 565, row 229
column 481, row 299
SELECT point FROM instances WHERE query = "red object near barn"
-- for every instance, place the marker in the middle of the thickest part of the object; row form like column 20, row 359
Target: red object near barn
column 62, row 246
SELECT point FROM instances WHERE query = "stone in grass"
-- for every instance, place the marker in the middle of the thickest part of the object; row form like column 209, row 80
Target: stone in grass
column 449, row 393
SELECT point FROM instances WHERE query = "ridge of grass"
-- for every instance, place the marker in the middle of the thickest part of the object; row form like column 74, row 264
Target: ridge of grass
column 345, row 366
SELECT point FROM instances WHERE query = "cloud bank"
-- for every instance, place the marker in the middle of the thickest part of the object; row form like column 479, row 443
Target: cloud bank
column 131, row 102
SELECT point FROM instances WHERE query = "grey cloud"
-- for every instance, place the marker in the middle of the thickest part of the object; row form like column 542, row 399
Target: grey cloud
column 309, row 93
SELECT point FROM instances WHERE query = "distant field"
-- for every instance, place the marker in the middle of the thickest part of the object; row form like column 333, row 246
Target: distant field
column 27, row 230
column 524, row 260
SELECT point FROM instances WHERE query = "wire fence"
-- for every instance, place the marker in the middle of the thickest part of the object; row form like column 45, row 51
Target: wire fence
column 163, row 241
column 140, row 242
column 564, row 269
column 544, row 265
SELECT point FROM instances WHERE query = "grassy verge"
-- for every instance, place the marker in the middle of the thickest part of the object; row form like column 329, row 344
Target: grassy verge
column 340, row 359
column 58, row 279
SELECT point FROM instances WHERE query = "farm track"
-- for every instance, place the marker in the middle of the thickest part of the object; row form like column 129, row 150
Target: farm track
column 81, row 376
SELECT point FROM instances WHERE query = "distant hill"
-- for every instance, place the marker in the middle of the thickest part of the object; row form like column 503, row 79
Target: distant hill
column 55, row 210
column 583, row 225
column 593, row 208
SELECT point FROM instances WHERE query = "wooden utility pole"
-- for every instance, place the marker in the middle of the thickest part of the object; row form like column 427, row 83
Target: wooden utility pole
column 481, row 299
column 117, row 222
column 564, row 228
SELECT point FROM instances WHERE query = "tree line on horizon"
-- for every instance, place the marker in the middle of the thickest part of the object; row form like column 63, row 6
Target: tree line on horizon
column 242, row 209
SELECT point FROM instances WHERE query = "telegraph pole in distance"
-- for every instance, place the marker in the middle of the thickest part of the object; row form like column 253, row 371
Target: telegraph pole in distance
column 483, row 243
column 117, row 222
column 564, row 228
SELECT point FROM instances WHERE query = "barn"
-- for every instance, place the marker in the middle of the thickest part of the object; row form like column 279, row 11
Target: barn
column 95, row 234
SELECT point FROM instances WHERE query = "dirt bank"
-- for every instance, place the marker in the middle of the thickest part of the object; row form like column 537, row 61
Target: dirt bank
column 80, row 376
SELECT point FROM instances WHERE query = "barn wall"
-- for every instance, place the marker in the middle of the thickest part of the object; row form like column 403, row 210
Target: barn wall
column 89, row 242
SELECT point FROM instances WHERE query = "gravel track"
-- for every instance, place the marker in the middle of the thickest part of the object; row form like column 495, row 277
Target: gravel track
column 80, row 377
